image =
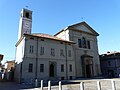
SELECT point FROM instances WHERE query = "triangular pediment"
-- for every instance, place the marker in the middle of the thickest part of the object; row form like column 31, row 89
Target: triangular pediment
column 83, row 27
column 80, row 27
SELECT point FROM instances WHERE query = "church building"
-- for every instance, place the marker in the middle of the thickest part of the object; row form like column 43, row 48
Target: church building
column 71, row 53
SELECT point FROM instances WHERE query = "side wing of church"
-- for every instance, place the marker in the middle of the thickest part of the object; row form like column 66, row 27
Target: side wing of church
column 71, row 53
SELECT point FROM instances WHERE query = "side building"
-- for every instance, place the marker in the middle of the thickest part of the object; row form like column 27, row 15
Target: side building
column 1, row 66
column 41, row 56
column 1, row 57
column 9, row 65
column 110, row 64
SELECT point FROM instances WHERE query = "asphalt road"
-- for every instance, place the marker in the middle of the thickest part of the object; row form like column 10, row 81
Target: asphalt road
column 14, row 86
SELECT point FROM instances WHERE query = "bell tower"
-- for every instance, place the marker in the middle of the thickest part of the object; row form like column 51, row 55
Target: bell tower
column 25, row 24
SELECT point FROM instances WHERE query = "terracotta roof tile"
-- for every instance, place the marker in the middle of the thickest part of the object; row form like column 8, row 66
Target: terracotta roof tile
column 49, row 37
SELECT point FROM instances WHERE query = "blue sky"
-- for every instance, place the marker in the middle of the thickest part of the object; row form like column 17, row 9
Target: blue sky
column 50, row 16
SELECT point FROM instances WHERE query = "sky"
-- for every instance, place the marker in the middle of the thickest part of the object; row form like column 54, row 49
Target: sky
column 50, row 16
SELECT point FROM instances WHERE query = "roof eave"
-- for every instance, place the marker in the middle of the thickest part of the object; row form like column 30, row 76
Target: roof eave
column 19, row 41
column 61, row 31
column 50, row 38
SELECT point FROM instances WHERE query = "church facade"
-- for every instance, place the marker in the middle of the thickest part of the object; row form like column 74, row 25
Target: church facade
column 69, row 54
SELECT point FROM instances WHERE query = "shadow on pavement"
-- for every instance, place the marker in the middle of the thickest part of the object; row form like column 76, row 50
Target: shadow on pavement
column 7, row 85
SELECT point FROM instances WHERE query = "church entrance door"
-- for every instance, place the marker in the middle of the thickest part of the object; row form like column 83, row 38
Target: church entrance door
column 88, row 71
column 52, row 70
column 87, row 66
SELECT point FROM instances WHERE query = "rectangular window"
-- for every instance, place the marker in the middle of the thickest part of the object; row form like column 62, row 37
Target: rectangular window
column 62, row 78
column 69, row 53
column 41, row 67
column 52, row 52
column 88, row 44
column 62, row 67
column 109, row 63
column 70, row 77
column 79, row 43
column 41, row 50
column 32, row 38
column 61, row 52
column 42, row 39
column 31, row 50
column 70, row 68
column 84, row 42
column 30, row 68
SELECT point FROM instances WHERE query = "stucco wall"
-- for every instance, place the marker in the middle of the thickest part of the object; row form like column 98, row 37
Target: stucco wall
column 74, row 35
column 19, row 58
column 46, row 58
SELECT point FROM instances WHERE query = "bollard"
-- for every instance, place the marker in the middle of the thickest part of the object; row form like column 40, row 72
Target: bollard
column 81, row 86
column 98, row 85
column 60, row 85
column 41, row 84
column 49, row 85
column 113, row 84
column 36, row 83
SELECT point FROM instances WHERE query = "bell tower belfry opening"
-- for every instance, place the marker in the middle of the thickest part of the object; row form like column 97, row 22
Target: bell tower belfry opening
column 25, row 24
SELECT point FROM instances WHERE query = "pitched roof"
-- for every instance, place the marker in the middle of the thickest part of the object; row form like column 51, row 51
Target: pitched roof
column 110, row 53
column 71, row 27
column 47, row 36
column 12, row 61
